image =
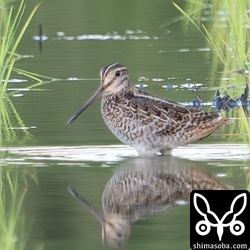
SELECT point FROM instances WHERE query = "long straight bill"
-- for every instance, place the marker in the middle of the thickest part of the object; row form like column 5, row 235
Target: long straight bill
column 85, row 204
column 96, row 95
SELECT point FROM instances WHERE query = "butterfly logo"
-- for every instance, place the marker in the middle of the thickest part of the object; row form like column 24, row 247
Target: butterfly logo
column 236, row 227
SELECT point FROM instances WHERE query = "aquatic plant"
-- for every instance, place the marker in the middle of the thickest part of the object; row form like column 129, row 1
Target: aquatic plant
column 227, row 33
column 12, row 219
column 12, row 193
column 13, row 222
column 11, row 33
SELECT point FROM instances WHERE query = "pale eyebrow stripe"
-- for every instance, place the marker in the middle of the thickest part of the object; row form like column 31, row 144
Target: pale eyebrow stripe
column 107, row 70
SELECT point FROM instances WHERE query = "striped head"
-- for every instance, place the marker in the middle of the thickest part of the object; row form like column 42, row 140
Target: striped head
column 114, row 78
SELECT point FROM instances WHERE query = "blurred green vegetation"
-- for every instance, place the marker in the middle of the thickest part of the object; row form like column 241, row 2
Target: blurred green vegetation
column 11, row 33
column 12, row 193
column 228, row 35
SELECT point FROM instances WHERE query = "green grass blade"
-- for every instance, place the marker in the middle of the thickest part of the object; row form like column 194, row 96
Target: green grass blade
column 25, row 26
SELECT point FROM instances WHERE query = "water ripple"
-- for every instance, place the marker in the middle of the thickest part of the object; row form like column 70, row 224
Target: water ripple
column 114, row 153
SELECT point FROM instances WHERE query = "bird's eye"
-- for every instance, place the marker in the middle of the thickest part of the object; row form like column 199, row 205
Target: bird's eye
column 118, row 73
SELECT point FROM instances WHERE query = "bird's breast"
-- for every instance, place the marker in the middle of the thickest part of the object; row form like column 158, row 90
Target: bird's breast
column 115, row 111
column 122, row 119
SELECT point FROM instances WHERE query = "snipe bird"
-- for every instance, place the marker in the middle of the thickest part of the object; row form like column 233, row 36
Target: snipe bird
column 146, row 122
column 143, row 188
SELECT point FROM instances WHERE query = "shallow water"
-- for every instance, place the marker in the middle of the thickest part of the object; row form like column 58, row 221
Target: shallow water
column 55, row 220
column 44, row 156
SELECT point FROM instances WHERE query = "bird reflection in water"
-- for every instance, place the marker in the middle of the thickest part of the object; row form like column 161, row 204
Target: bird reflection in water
column 144, row 187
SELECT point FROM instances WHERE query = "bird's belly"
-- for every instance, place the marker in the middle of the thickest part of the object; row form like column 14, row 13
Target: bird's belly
column 128, row 128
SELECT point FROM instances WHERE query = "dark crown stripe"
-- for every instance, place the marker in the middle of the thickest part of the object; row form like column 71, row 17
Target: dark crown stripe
column 110, row 68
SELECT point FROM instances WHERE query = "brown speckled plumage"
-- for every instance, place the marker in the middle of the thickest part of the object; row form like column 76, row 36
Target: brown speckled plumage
column 145, row 187
column 145, row 122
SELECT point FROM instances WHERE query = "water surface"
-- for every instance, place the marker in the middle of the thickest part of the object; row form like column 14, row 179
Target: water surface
column 159, row 49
